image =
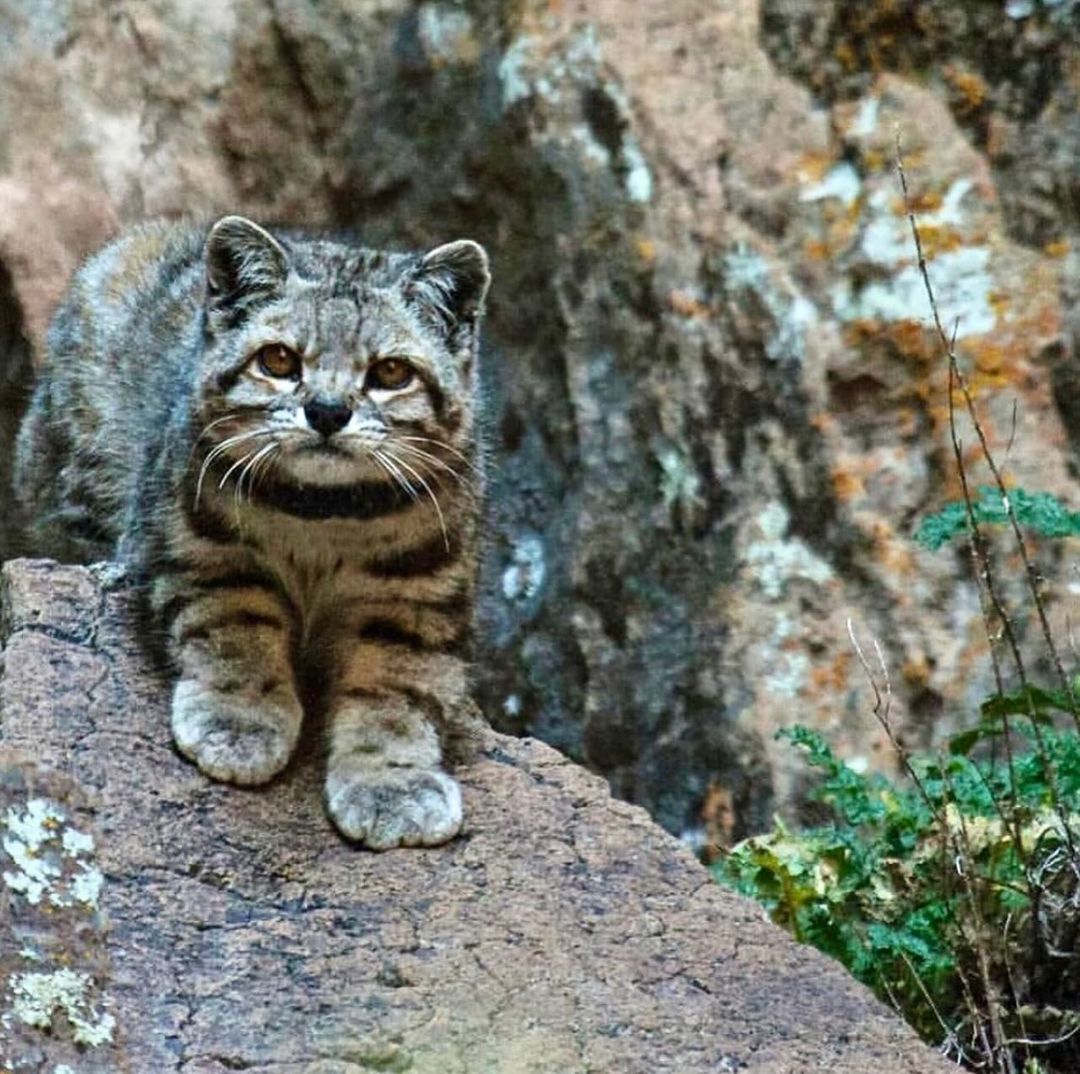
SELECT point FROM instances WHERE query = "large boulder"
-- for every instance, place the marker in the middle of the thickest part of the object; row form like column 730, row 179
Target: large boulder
column 153, row 922
column 716, row 410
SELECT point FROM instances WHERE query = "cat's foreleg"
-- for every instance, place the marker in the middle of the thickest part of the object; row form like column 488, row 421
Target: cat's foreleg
column 385, row 785
column 235, row 710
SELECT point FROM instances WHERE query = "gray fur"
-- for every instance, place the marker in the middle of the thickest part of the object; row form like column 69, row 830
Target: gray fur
column 285, row 569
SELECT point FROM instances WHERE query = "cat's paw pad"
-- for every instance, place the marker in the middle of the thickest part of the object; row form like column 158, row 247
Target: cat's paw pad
column 230, row 739
column 391, row 807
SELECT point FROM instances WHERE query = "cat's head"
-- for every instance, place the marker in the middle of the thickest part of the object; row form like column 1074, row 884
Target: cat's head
column 328, row 364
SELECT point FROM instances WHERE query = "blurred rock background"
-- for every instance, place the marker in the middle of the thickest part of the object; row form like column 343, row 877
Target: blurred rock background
column 716, row 410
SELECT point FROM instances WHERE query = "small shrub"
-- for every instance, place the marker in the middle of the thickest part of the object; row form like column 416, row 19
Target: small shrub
column 953, row 892
column 879, row 888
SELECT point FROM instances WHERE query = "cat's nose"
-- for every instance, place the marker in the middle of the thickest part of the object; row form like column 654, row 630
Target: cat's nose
column 327, row 418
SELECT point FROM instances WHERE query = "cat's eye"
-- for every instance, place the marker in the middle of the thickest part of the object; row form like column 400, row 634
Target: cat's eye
column 391, row 374
column 277, row 360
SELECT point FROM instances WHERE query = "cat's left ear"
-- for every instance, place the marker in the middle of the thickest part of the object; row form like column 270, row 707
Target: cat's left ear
column 453, row 279
column 243, row 261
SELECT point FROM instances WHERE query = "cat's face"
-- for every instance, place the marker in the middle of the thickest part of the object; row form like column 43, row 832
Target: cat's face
column 329, row 365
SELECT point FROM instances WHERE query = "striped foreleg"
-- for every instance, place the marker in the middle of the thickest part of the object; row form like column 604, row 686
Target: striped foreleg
column 235, row 710
column 385, row 785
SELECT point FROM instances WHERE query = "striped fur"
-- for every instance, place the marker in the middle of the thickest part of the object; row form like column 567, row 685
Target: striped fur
column 220, row 410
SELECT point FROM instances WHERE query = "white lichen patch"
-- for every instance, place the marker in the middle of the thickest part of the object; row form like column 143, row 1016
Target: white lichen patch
column 524, row 577
column 36, row 824
column 32, row 875
column 774, row 559
column 76, row 843
column 528, row 70
column 38, row 998
column 48, row 857
column 963, row 289
column 963, row 285
column 447, row 34
column 866, row 118
column 558, row 80
column 86, row 886
column 788, row 667
column 841, row 182
column 514, row 71
column 639, row 182
column 680, row 482
column 792, row 314
column 589, row 147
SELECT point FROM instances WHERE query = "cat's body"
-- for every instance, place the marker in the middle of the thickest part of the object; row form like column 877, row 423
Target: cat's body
column 278, row 435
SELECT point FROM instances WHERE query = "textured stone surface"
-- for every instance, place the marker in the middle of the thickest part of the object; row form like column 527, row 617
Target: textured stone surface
column 716, row 410
column 233, row 930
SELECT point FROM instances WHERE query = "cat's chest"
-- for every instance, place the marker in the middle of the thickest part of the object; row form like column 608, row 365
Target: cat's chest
column 321, row 563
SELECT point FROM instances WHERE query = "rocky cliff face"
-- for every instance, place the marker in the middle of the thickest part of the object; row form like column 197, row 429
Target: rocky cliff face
column 716, row 411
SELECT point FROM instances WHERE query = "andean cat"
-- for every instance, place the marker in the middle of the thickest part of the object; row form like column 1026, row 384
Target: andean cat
column 278, row 434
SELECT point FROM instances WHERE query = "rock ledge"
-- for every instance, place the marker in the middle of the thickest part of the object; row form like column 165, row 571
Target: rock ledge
column 154, row 922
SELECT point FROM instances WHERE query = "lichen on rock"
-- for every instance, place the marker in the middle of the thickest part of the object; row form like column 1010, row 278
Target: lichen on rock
column 41, row 997
column 50, row 858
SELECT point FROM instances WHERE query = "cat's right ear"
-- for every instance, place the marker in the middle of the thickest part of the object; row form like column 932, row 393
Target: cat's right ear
column 243, row 261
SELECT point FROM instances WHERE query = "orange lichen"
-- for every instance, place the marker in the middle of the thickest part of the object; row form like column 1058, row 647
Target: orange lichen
column 646, row 251
column 929, row 201
column 686, row 305
column 969, row 90
column 1056, row 248
column 817, row 250
column 907, row 422
column 874, row 160
column 718, row 817
column 999, row 302
column 916, row 671
column 908, row 338
column 942, row 238
column 914, row 340
column 832, row 676
column 846, row 55
column 989, row 357
column 893, row 554
column 847, row 485
column 813, row 167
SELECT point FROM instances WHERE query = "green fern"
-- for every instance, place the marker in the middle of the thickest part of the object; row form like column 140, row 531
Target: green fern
column 1038, row 511
column 878, row 889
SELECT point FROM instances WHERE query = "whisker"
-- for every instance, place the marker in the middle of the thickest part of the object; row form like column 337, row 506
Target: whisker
column 218, row 450
column 445, row 447
column 426, row 456
column 217, row 421
column 238, row 490
column 249, row 470
column 396, row 474
column 262, row 469
column 235, row 466
column 431, row 495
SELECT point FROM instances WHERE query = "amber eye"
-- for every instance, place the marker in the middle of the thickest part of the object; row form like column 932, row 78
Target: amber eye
column 391, row 374
column 277, row 360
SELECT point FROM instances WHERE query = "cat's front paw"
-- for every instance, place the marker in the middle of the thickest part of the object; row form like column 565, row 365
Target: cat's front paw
column 384, row 807
column 234, row 738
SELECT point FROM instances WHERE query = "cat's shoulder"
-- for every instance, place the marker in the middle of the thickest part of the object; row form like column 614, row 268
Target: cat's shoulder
column 144, row 256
